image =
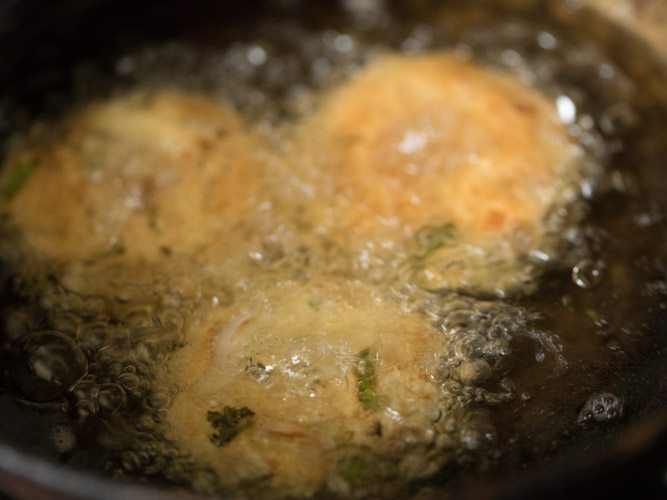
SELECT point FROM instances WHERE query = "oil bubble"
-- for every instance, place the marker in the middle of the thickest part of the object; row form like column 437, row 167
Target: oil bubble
column 256, row 55
column 170, row 320
column 85, row 408
column 567, row 110
column 17, row 324
column 85, row 388
column 95, row 335
column 546, row 40
column 111, row 397
column 137, row 318
column 460, row 319
column 131, row 461
column 144, row 352
column 131, row 383
column 588, row 273
column 601, row 407
column 70, row 302
column 94, row 305
column 63, row 438
column 618, row 117
column 471, row 439
column 45, row 364
column 66, row 322
column 158, row 399
column 145, row 423
column 474, row 372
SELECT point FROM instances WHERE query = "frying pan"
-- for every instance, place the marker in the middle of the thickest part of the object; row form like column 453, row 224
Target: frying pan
column 46, row 44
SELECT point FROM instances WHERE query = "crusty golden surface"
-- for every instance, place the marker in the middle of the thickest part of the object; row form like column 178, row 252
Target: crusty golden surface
column 426, row 141
column 292, row 355
column 139, row 173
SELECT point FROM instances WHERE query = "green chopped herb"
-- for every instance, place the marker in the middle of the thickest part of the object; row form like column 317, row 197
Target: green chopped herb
column 256, row 370
column 593, row 315
column 431, row 238
column 315, row 303
column 366, row 389
column 256, row 483
column 153, row 221
column 355, row 470
column 17, row 177
column 229, row 423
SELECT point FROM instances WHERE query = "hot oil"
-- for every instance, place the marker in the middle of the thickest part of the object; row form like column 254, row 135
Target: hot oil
column 542, row 371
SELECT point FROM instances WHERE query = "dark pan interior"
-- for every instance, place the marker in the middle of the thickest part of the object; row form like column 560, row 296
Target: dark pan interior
column 46, row 46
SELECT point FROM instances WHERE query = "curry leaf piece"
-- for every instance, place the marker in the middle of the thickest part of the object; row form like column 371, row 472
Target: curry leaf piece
column 17, row 177
column 355, row 470
column 366, row 385
column 431, row 238
column 229, row 423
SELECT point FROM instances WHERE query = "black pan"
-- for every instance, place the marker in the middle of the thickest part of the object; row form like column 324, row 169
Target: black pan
column 47, row 46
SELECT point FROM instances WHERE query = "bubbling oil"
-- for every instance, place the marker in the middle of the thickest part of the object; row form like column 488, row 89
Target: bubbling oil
column 94, row 353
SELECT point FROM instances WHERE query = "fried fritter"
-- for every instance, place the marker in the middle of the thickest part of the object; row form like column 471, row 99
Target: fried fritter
column 331, row 372
column 135, row 174
column 414, row 146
